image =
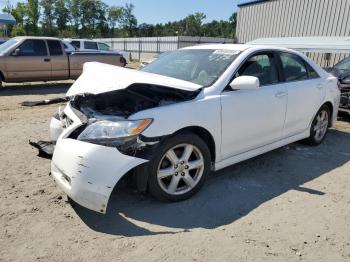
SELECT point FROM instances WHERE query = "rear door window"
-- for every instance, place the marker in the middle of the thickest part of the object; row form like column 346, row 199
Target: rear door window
column 311, row 72
column 55, row 48
column 76, row 44
column 103, row 47
column 33, row 47
column 90, row 45
column 261, row 66
column 294, row 67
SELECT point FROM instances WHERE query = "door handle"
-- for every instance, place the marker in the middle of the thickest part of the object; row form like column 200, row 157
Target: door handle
column 280, row 94
column 47, row 59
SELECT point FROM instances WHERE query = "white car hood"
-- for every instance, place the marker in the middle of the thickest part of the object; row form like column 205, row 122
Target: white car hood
column 100, row 78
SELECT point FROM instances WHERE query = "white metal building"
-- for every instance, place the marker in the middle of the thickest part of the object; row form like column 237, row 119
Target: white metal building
column 295, row 18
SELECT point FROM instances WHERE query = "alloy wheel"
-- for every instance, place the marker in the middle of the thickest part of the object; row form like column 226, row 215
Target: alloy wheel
column 321, row 125
column 180, row 169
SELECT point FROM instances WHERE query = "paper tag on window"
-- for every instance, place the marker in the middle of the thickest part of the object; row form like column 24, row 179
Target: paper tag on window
column 226, row 52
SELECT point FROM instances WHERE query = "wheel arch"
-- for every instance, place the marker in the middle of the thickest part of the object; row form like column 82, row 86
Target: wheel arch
column 140, row 173
column 205, row 135
column 331, row 110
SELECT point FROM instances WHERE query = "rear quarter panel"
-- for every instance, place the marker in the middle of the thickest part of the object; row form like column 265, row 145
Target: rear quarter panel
column 333, row 95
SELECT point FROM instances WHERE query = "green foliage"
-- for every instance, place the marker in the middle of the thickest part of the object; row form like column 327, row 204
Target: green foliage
column 47, row 17
column 18, row 30
column 61, row 14
column 128, row 20
column 93, row 18
column 33, row 15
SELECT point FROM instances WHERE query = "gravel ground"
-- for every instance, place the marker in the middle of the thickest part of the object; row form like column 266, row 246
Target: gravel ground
column 287, row 205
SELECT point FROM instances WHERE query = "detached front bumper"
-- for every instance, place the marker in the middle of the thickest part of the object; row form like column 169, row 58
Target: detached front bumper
column 87, row 173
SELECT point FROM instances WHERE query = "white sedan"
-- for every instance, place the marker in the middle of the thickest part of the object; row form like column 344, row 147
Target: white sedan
column 196, row 110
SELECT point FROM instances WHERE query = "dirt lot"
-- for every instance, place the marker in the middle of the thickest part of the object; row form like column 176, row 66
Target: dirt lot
column 288, row 205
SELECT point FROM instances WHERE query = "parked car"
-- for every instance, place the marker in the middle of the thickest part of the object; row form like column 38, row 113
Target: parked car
column 68, row 47
column 154, row 58
column 44, row 59
column 195, row 110
column 92, row 45
column 342, row 71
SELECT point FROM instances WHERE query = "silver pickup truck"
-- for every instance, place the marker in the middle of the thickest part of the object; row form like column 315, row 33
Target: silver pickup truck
column 25, row 59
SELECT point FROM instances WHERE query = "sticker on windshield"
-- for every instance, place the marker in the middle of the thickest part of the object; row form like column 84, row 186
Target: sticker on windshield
column 226, row 52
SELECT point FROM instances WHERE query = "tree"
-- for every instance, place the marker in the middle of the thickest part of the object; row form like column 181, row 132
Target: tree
column 145, row 30
column 194, row 24
column 19, row 13
column 61, row 14
column 233, row 21
column 48, row 16
column 94, row 18
column 75, row 14
column 128, row 20
column 115, row 14
column 33, row 15
column 102, row 28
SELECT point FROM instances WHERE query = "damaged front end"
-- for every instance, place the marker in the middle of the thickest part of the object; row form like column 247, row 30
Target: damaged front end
column 106, row 115
column 98, row 143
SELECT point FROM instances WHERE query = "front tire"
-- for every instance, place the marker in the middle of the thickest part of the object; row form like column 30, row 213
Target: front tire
column 319, row 127
column 179, row 167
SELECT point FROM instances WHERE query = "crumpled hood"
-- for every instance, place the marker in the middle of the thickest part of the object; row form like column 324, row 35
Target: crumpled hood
column 100, row 78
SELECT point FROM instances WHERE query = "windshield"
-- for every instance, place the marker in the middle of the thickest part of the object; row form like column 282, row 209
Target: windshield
column 201, row 67
column 7, row 45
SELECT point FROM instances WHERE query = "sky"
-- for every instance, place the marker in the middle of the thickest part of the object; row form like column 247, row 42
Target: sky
column 162, row 11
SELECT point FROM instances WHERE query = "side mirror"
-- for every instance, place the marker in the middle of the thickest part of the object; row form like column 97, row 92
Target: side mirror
column 245, row 83
column 16, row 52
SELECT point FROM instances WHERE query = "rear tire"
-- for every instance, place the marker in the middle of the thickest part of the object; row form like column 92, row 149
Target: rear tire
column 319, row 127
column 123, row 62
column 179, row 167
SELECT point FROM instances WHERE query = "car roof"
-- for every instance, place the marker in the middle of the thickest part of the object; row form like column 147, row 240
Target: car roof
column 238, row 47
column 37, row 37
column 233, row 47
column 80, row 39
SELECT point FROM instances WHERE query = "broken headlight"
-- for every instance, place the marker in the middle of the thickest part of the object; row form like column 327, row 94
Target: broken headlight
column 113, row 133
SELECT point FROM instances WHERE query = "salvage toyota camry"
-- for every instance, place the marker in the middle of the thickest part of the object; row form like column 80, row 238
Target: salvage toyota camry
column 194, row 110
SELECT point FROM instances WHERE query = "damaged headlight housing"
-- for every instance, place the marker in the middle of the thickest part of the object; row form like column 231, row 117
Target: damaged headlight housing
column 114, row 133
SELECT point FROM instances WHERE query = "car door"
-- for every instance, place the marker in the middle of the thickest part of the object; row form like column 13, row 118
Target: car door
column 306, row 91
column 29, row 62
column 254, row 118
column 59, row 60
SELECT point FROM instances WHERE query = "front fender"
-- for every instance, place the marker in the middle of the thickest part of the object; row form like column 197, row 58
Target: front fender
column 204, row 112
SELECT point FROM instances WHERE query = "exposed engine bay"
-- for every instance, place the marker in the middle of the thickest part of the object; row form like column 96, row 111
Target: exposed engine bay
column 133, row 99
column 117, row 106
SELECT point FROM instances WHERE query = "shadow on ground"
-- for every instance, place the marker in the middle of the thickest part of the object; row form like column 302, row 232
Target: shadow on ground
column 45, row 88
column 228, row 194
